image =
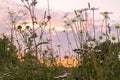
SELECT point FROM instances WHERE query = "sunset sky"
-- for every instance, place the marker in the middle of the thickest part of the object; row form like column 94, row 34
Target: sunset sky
column 59, row 7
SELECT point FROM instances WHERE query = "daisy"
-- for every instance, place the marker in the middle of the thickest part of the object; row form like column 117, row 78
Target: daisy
column 58, row 45
column 82, row 10
column 116, row 26
column 79, row 10
column 74, row 20
column 91, row 44
column 68, row 23
column 102, row 38
column 19, row 27
column 79, row 17
column 106, row 14
column 80, row 32
column 119, row 56
column 93, row 8
column 43, row 23
column 113, row 39
column 66, row 15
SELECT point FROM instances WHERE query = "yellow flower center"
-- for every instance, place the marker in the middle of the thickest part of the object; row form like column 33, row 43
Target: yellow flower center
column 100, row 37
column 91, row 44
column 24, row 23
column 73, row 20
column 43, row 23
column 117, row 26
column 68, row 24
column 78, row 15
column 106, row 12
column 81, row 32
column 113, row 38
column 58, row 45
column 13, row 21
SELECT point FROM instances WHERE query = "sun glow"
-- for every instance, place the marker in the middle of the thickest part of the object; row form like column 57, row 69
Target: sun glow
column 60, row 62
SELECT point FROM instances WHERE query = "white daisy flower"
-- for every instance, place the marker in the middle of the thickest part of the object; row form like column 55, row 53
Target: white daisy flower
column 42, row 23
column 82, row 10
column 93, row 8
column 91, row 44
column 116, row 26
column 102, row 38
column 66, row 14
column 106, row 14
column 119, row 56
column 79, row 10
column 113, row 39
column 80, row 32
column 79, row 17
column 73, row 20
column 68, row 23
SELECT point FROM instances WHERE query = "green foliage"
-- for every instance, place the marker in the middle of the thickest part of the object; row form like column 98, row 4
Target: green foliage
column 8, row 58
column 103, row 65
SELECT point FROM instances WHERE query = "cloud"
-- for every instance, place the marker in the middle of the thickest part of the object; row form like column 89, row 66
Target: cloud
column 13, row 5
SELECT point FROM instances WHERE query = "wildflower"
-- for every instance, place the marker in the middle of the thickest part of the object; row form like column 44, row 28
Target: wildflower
column 106, row 14
column 102, row 38
column 24, row 23
column 27, row 27
column 43, row 23
column 93, row 8
column 80, row 32
column 81, row 10
column 73, row 20
column 119, row 56
column 91, row 44
column 66, row 14
column 58, row 45
column 116, row 26
column 19, row 27
column 113, row 39
column 68, row 23
column 79, row 17
column 13, row 21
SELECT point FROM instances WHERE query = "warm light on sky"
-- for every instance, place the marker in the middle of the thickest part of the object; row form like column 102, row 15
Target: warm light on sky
column 58, row 8
column 66, row 6
column 70, row 5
